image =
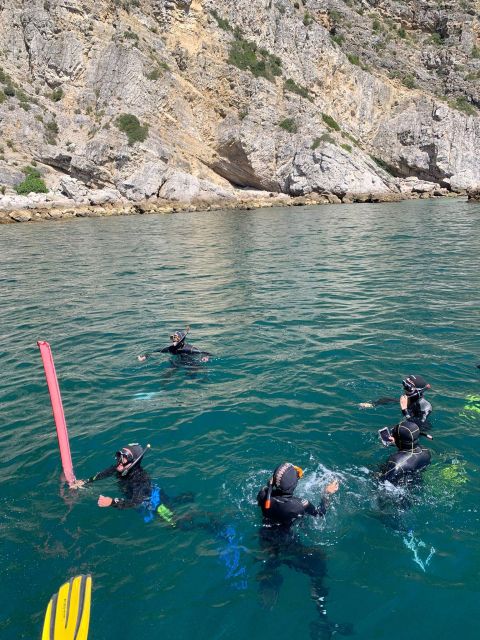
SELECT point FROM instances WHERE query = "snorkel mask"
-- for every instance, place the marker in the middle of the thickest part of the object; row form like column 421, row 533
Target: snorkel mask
column 132, row 453
column 285, row 478
column 179, row 336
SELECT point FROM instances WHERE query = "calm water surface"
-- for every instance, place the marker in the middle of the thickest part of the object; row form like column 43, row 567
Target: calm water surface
column 307, row 312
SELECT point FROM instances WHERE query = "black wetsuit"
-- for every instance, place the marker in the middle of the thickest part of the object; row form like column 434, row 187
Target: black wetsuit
column 285, row 509
column 401, row 467
column 417, row 411
column 280, row 546
column 136, row 486
column 182, row 349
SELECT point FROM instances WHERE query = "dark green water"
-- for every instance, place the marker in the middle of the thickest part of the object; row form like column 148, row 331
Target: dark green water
column 308, row 312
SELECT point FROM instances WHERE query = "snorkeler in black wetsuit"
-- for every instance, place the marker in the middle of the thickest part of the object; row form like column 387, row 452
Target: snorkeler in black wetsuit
column 178, row 347
column 134, row 482
column 403, row 466
column 413, row 405
column 137, row 488
column 281, row 509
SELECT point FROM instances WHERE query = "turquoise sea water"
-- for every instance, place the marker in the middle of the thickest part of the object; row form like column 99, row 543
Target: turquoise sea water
column 308, row 312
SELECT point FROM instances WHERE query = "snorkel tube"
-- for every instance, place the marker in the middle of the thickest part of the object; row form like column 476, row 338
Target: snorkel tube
column 268, row 499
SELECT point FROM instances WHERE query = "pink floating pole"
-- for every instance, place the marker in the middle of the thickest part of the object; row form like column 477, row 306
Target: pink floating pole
column 57, row 408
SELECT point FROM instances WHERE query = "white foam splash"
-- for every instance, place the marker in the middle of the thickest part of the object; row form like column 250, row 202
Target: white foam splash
column 415, row 544
column 145, row 396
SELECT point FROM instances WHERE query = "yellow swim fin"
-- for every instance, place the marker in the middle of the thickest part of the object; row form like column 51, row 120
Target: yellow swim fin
column 68, row 612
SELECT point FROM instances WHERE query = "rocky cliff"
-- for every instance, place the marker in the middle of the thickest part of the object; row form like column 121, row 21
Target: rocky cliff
column 181, row 100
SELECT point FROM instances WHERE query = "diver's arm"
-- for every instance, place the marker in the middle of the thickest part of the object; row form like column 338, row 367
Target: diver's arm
column 404, row 406
column 143, row 357
column 118, row 503
column 109, row 471
column 139, row 489
column 379, row 402
column 310, row 509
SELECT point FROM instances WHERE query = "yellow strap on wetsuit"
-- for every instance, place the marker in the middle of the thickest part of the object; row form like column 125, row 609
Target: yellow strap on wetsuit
column 68, row 612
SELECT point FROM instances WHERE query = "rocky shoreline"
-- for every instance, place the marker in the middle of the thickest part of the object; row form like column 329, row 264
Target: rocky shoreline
column 36, row 209
column 111, row 108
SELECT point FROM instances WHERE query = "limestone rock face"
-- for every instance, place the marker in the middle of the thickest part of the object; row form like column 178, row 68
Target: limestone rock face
column 334, row 170
column 10, row 176
column 193, row 99
column 432, row 141
column 184, row 187
column 145, row 182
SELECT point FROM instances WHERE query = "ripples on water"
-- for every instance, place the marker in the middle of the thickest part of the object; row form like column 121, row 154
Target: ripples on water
column 307, row 312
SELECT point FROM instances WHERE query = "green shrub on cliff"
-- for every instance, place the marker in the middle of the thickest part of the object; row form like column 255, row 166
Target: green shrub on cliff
column 289, row 125
column 130, row 125
column 330, row 122
column 33, row 182
column 461, row 103
column 409, row 81
column 293, row 87
column 247, row 56
column 222, row 22
column 325, row 137
column 57, row 94
column 51, row 131
column 307, row 19
column 383, row 165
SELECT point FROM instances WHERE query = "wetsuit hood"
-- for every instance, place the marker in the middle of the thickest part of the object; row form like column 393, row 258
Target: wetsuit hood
column 415, row 386
column 285, row 479
column 133, row 453
column 406, row 435
column 178, row 337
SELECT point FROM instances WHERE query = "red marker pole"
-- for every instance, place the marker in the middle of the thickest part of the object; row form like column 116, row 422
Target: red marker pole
column 57, row 409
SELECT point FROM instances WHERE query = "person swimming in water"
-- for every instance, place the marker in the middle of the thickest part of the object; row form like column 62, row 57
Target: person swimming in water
column 136, row 486
column 281, row 510
column 179, row 348
column 413, row 405
column 404, row 465
column 134, row 482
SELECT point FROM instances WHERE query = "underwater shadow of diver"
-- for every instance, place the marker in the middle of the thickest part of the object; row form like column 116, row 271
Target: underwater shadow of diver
column 284, row 548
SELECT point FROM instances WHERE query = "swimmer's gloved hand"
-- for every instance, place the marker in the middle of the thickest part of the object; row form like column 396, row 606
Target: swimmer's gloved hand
column 167, row 515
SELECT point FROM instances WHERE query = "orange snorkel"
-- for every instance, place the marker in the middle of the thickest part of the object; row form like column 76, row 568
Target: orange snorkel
column 269, row 493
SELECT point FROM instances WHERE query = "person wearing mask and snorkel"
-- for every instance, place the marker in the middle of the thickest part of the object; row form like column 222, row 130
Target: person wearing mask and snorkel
column 281, row 510
column 413, row 405
column 135, row 485
column 402, row 467
column 179, row 348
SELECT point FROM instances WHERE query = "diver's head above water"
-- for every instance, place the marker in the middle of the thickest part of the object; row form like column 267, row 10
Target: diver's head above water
column 415, row 386
column 406, row 435
column 129, row 457
column 178, row 337
column 285, row 478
